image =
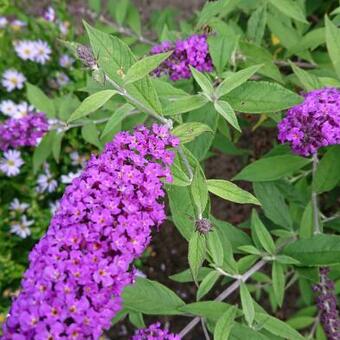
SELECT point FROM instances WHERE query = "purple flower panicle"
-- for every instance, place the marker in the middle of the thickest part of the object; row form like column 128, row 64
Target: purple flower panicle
column 326, row 302
column 78, row 270
column 24, row 131
column 314, row 123
column 154, row 332
column 193, row 51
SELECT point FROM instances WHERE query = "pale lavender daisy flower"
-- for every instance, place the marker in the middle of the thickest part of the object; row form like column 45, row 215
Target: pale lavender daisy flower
column 62, row 79
column 25, row 49
column 8, row 107
column 17, row 25
column 21, row 228
column 46, row 182
column 11, row 162
column 66, row 61
column 67, row 179
column 12, row 79
column 42, row 52
column 18, row 206
column 49, row 14
column 3, row 22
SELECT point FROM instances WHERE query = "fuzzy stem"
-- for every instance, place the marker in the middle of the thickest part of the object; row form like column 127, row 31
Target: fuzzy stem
column 317, row 227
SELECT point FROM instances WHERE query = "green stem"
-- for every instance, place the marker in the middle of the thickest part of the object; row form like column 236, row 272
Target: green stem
column 317, row 227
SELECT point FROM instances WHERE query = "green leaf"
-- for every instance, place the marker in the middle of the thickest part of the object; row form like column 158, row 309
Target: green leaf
column 319, row 250
column 261, row 97
column 92, row 104
column 196, row 253
column 236, row 79
column 144, row 66
column 262, row 233
column 227, row 112
column 40, row 101
column 184, row 104
column 272, row 168
column 56, row 147
column 278, row 277
column 230, row 192
column 301, row 322
column 210, row 10
column 215, row 248
column 277, row 327
column 182, row 209
column 189, row 131
column 151, row 297
column 178, row 172
column 273, row 203
column 221, row 48
column 133, row 20
column 91, row 134
column 120, row 8
column 333, row 44
column 290, row 8
column 211, row 310
column 95, row 5
column 307, row 223
column 284, row 259
column 43, row 150
column 207, row 283
column 224, row 324
column 256, row 24
column 203, row 81
column 247, row 304
column 308, row 80
column 116, row 118
column 199, row 190
column 328, row 170
column 186, row 275
column 136, row 318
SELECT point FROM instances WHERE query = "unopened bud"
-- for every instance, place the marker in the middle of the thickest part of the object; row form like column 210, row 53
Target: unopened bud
column 203, row 225
column 86, row 56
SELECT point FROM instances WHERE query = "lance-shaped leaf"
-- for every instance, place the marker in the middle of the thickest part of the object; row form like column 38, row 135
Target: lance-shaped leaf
column 236, row 79
column 203, row 81
column 247, row 304
column 199, row 190
column 189, row 131
column 196, row 253
column 184, row 104
column 262, row 233
column 227, row 112
column 40, row 101
column 144, row 66
column 207, row 283
column 224, row 324
column 290, row 8
column 333, row 44
column 230, row 191
column 278, row 279
column 91, row 104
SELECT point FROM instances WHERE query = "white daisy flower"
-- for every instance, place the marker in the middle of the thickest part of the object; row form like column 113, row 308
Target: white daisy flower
column 12, row 79
column 63, row 27
column 66, row 61
column 54, row 206
column 11, row 162
column 42, row 51
column 8, row 107
column 66, row 179
column 25, row 49
column 22, row 228
column 3, row 22
column 46, row 182
column 23, row 108
column 17, row 206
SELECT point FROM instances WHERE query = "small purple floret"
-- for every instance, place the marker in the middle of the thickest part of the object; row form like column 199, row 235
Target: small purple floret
column 193, row 51
column 314, row 123
column 154, row 332
column 25, row 131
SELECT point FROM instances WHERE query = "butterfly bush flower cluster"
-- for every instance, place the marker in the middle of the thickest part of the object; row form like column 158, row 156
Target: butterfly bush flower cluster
column 154, row 332
column 326, row 302
column 25, row 131
column 78, row 270
column 12, row 79
column 314, row 123
column 193, row 51
column 38, row 51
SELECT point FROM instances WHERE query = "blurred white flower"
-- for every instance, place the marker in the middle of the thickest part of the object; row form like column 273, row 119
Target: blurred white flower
column 25, row 49
column 17, row 206
column 8, row 107
column 23, row 108
column 17, row 25
column 66, row 179
column 49, row 14
column 12, row 79
column 77, row 160
column 11, row 162
column 62, row 79
column 54, row 206
column 3, row 22
column 66, row 61
column 63, row 27
column 46, row 182
column 22, row 228
column 42, row 51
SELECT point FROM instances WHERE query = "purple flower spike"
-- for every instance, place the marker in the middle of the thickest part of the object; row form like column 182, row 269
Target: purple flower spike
column 314, row 123
column 24, row 131
column 154, row 332
column 78, row 270
column 193, row 51
column 326, row 302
